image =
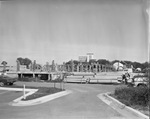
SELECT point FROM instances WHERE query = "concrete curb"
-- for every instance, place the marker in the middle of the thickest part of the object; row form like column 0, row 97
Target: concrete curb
column 19, row 102
column 17, row 89
column 30, row 91
column 110, row 100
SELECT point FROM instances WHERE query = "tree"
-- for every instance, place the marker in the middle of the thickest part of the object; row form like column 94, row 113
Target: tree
column 103, row 61
column 75, row 62
column 38, row 66
column 21, row 60
column 128, row 62
column 145, row 65
column 137, row 65
column 92, row 61
column 27, row 62
column 24, row 61
column 114, row 61
column 4, row 63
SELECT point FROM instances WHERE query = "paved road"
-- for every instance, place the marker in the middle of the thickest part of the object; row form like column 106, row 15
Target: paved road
column 82, row 103
column 8, row 96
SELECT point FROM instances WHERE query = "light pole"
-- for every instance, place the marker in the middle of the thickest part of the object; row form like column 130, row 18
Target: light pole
column 148, row 13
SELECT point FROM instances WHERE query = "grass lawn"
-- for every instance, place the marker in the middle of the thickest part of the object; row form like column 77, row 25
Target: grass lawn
column 42, row 91
column 143, row 109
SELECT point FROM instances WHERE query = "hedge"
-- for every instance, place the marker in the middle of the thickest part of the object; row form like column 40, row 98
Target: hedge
column 133, row 95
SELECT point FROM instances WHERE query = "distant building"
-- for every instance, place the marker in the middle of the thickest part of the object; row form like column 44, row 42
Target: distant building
column 8, row 68
column 118, row 66
column 90, row 56
column 82, row 58
column 14, row 68
column 138, row 69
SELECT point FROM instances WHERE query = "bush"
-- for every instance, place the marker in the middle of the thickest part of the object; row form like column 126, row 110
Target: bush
column 133, row 95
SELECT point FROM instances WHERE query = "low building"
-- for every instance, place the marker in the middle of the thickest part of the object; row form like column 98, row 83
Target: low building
column 118, row 66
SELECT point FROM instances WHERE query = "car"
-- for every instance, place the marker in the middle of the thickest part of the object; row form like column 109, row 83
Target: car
column 5, row 80
column 139, row 81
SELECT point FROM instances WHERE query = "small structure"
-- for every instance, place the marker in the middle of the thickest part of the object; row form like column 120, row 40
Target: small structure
column 89, row 56
column 138, row 69
column 118, row 66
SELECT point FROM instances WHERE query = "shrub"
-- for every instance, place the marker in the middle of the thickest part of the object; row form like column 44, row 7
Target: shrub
column 133, row 95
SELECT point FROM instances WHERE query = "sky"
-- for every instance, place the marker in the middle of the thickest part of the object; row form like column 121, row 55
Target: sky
column 61, row 30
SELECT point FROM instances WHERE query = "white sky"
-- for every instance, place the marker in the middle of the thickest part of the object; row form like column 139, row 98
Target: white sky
column 62, row 30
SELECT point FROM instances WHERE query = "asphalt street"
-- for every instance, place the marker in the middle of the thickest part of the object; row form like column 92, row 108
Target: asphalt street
column 82, row 103
column 8, row 96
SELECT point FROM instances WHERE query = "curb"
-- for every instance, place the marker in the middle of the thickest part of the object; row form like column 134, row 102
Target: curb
column 19, row 102
column 120, row 105
column 17, row 89
column 30, row 91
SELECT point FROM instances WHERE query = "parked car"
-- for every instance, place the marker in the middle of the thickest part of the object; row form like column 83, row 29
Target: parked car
column 5, row 80
column 139, row 80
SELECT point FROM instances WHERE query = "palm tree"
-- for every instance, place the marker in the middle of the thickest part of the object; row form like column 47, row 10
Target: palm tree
column 4, row 63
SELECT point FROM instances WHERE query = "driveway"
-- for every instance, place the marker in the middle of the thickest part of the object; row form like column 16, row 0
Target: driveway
column 82, row 103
